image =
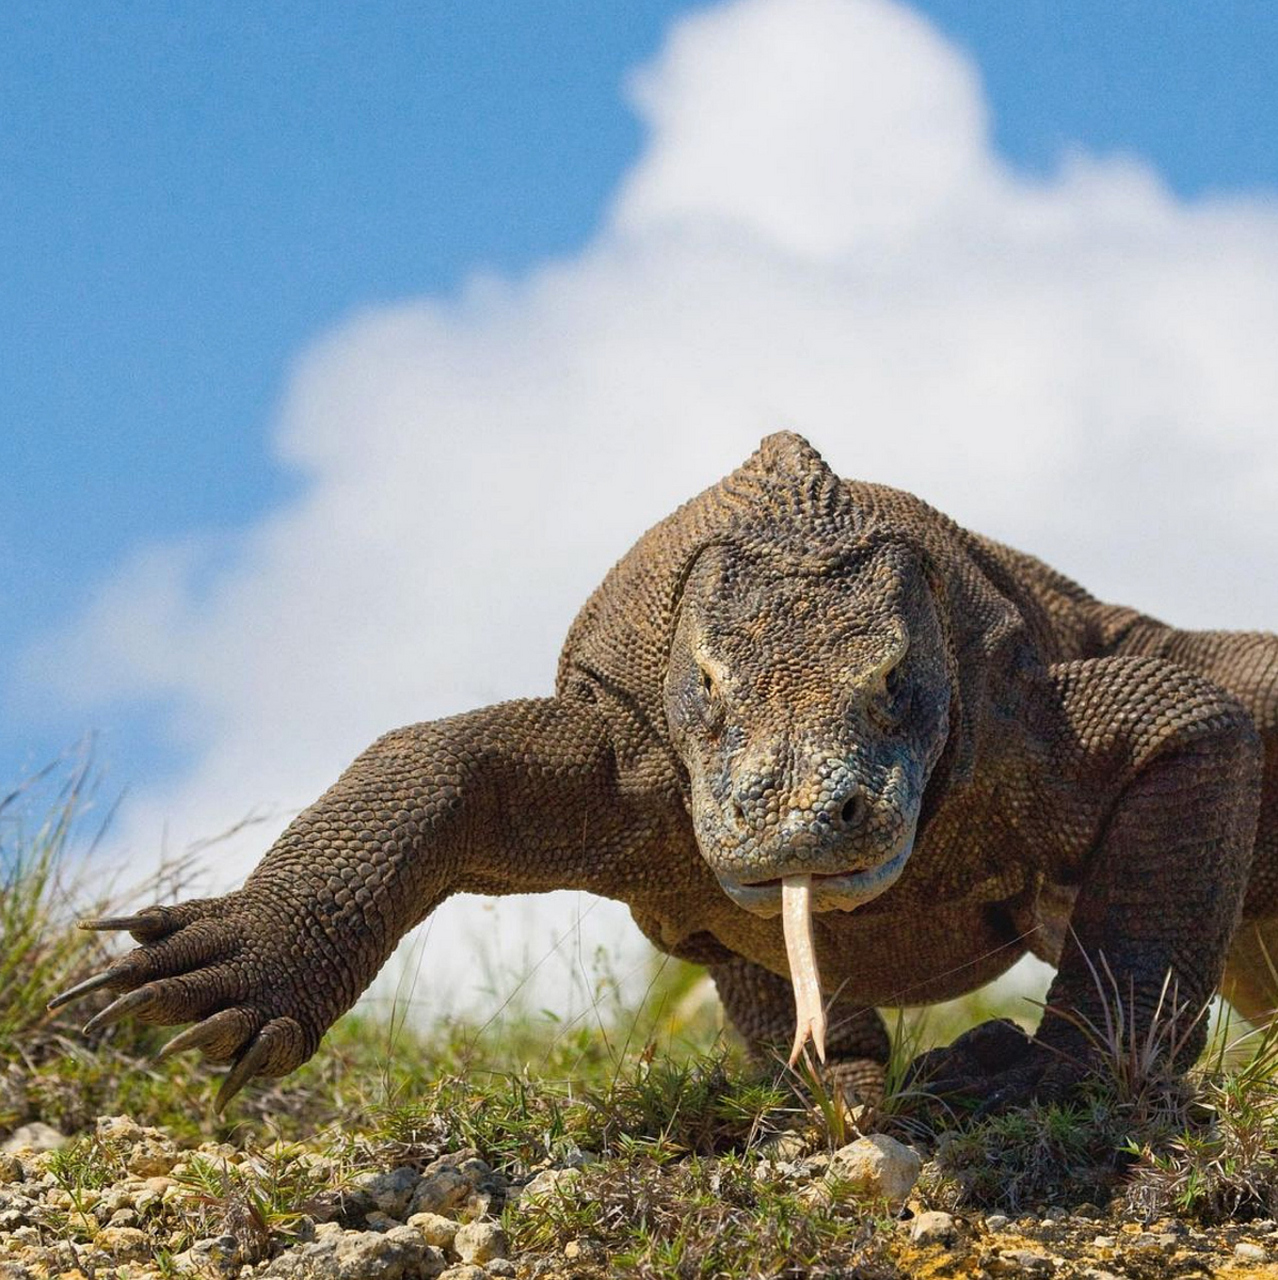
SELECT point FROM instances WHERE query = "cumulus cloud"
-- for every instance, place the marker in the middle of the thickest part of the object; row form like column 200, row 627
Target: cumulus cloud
column 817, row 235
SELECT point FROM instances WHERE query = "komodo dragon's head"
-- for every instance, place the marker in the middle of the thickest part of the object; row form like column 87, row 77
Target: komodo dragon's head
column 807, row 692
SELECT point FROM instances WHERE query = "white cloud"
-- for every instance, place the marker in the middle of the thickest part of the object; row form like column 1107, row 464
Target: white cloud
column 817, row 235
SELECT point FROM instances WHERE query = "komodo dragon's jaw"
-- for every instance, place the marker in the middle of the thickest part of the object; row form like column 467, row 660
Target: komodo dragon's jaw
column 830, row 892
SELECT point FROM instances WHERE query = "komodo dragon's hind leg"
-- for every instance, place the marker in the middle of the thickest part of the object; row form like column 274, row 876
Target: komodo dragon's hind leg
column 1246, row 664
column 760, row 1005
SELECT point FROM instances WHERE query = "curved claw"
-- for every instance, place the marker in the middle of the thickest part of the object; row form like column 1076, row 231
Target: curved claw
column 243, row 1071
column 87, row 987
column 280, row 1046
column 133, row 1002
column 150, row 924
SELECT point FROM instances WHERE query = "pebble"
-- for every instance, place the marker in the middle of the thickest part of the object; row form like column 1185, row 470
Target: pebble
column 549, row 1182
column 398, row 1254
column 392, row 1191
column 1248, row 1252
column 1021, row 1262
column 123, row 1244
column 876, row 1167
column 996, row 1221
column 585, row 1249
column 435, row 1229
column 36, row 1136
column 480, row 1242
column 932, row 1227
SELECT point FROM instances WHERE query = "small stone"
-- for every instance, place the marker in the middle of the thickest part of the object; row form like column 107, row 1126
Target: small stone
column 393, row 1191
column 480, row 1241
column 36, row 1136
column 435, row 1229
column 378, row 1221
column 1104, row 1242
column 1016, row 1262
column 119, row 1129
column 398, row 1254
column 439, row 1192
column 1249, row 1252
column 10, row 1168
column 547, row 1184
column 500, row 1267
column 212, row 1256
column 464, row 1271
column 123, row 1244
column 585, row 1249
column 996, row 1222
column 1096, row 1273
column 876, row 1167
column 783, row 1147
column 475, row 1171
column 932, row 1227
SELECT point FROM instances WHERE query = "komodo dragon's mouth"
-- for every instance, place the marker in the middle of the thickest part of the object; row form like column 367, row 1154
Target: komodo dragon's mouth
column 797, row 896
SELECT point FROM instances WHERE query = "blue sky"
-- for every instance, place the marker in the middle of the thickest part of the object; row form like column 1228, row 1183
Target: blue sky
column 192, row 193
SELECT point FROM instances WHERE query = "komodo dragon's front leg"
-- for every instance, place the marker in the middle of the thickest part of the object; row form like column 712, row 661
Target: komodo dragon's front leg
column 521, row 797
column 760, row 1004
column 1163, row 767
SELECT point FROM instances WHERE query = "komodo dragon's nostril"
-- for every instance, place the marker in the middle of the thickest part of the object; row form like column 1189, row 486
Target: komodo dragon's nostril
column 854, row 810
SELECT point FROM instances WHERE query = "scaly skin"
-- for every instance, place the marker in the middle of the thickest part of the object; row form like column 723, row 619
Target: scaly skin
column 795, row 675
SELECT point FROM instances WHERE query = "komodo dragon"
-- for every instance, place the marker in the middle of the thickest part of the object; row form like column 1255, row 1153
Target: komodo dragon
column 815, row 701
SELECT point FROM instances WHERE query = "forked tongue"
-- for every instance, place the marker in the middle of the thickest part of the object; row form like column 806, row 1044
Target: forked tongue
column 796, row 920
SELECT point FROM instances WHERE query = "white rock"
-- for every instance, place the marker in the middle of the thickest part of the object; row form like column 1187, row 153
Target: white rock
column 435, row 1229
column 397, row 1254
column 36, row 1136
column 548, row 1183
column 932, row 1227
column 479, row 1242
column 1248, row 1252
column 392, row 1191
column 877, row 1166
column 439, row 1192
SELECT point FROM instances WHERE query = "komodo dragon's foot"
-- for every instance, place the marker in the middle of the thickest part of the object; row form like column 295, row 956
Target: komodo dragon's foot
column 994, row 1067
column 216, row 962
column 859, row 1081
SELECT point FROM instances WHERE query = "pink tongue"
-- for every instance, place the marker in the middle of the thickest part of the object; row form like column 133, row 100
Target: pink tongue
column 796, row 920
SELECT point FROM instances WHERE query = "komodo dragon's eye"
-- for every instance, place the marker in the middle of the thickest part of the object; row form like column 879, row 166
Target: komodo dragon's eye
column 713, row 701
column 889, row 708
column 894, row 683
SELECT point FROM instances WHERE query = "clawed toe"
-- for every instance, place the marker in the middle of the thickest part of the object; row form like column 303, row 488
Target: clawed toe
column 136, row 1002
column 220, row 1036
column 275, row 1050
column 87, row 987
column 148, row 925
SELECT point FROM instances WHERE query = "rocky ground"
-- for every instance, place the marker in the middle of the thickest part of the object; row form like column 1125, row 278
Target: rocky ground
column 130, row 1203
